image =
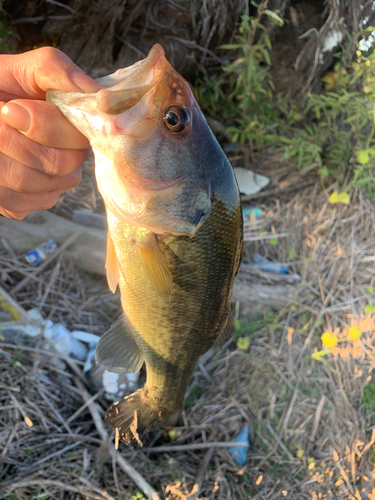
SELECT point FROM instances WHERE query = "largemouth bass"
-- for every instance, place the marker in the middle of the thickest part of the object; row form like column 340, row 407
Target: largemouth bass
column 175, row 232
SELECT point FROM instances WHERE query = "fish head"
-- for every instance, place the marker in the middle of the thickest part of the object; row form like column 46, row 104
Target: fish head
column 156, row 157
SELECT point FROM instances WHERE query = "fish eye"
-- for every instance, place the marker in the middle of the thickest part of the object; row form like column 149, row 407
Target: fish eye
column 176, row 119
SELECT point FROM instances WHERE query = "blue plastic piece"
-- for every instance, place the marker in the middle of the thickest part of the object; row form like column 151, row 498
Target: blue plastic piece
column 248, row 212
column 266, row 265
column 239, row 453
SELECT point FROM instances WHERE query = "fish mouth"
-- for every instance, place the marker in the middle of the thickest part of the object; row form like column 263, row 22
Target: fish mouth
column 120, row 91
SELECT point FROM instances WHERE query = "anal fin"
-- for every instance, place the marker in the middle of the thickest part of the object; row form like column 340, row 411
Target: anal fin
column 156, row 266
column 227, row 332
column 111, row 265
column 117, row 350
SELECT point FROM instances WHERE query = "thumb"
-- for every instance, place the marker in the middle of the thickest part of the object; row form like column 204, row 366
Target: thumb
column 31, row 74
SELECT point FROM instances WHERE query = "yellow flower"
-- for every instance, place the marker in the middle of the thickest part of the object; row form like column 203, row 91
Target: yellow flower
column 354, row 332
column 329, row 340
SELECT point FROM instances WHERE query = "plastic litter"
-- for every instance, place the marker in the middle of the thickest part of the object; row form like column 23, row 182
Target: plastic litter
column 110, row 382
column 64, row 342
column 249, row 182
column 88, row 338
column 76, row 344
column 239, row 453
column 251, row 213
column 40, row 253
column 267, row 265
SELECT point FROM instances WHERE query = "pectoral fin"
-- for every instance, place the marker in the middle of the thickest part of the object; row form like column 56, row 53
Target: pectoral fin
column 117, row 351
column 111, row 265
column 156, row 266
column 227, row 332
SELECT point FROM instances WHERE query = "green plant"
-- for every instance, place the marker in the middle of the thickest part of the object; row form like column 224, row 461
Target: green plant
column 334, row 130
column 196, row 392
column 245, row 85
column 368, row 398
column 134, row 496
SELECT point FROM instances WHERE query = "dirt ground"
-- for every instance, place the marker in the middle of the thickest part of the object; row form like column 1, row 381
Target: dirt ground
column 311, row 422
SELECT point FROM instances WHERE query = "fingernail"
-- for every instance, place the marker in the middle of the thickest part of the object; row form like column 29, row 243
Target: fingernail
column 16, row 116
column 84, row 82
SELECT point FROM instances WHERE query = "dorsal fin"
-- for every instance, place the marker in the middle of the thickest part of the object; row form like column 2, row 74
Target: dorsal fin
column 111, row 265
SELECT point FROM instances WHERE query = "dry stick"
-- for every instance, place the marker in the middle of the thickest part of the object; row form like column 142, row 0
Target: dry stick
column 21, row 410
column 199, row 482
column 98, row 490
column 41, row 351
column 50, row 284
column 266, row 236
column 85, row 405
column 35, row 465
column 196, row 446
column 9, row 249
column 49, row 482
column 50, row 259
column 124, row 464
column 318, row 414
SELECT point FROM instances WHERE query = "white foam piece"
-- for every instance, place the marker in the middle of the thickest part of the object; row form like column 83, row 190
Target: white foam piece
column 249, row 182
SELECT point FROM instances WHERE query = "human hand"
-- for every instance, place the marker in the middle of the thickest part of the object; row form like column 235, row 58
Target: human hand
column 40, row 151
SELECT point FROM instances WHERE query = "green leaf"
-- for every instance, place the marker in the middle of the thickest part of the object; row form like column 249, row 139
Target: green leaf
column 291, row 253
column 324, row 171
column 243, row 343
column 273, row 241
column 230, row 46
column 370, row 290
column 363, row 157
column 369, row 309
column 274, row 16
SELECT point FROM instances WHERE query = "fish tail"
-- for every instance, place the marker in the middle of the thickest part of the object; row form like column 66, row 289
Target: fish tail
column 132, row 416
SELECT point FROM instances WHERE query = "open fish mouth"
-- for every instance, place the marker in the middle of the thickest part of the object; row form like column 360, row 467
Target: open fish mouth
column 145, row 128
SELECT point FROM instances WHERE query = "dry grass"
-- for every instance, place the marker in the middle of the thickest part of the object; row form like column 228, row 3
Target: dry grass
column 311, row 427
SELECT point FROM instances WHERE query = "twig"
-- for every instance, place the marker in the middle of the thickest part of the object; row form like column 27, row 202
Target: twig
column 38, row 19
column 200, row 478
column 63, row 6
column 85, row 405
column 35, row 465
column 49, row 482
column 195, row 446
column 128, row 44
column 40, row 351
column 194, row 45
column 317, row 417
column 21, row 410
column 104, row 494
column 264, row 236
